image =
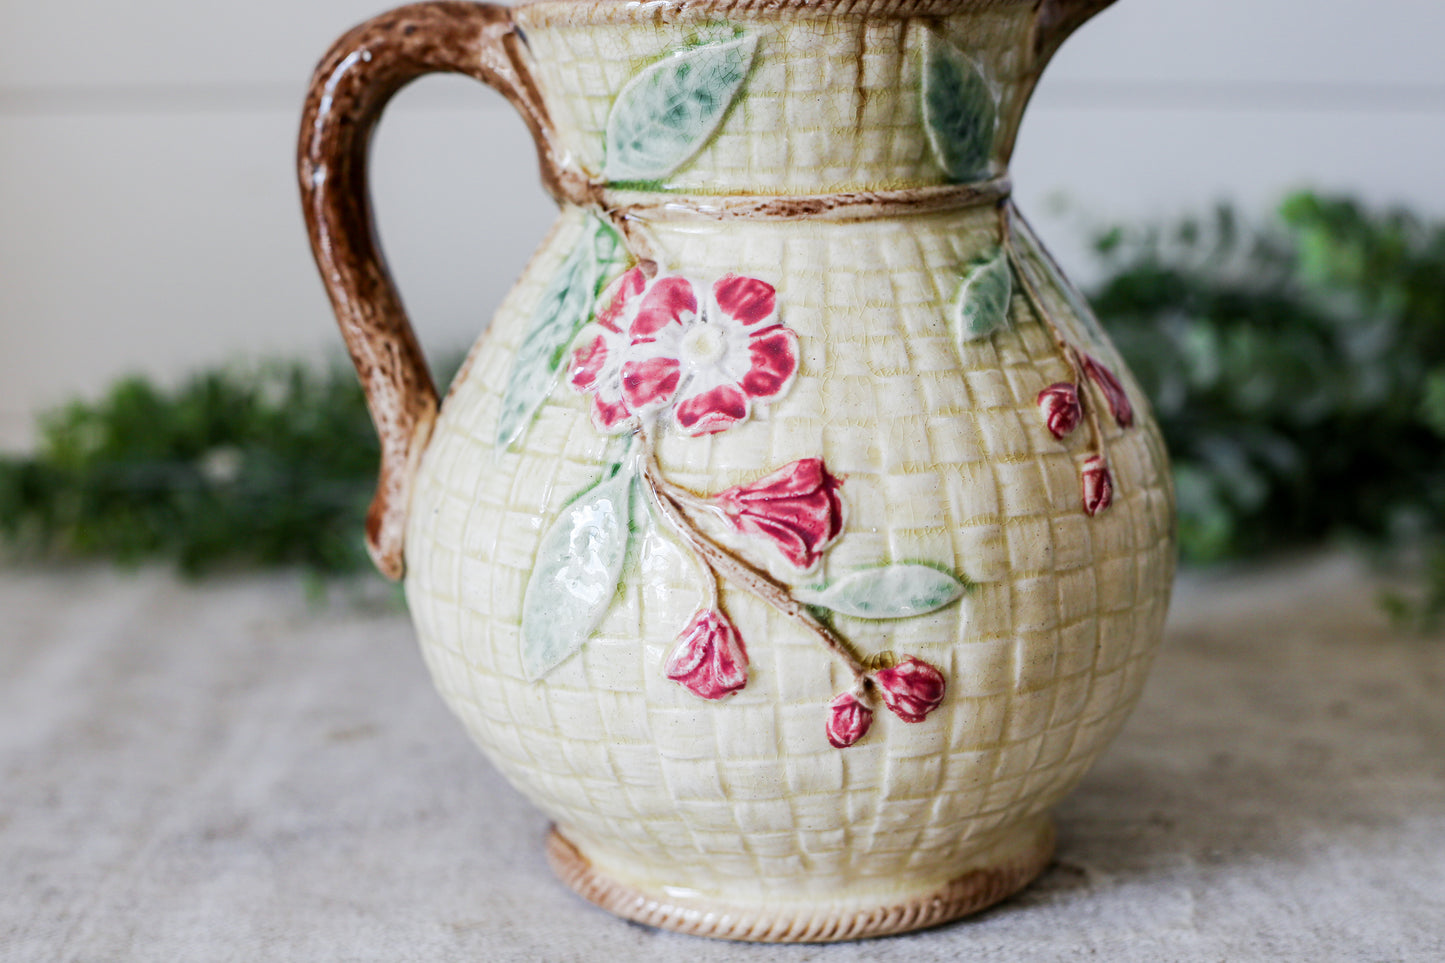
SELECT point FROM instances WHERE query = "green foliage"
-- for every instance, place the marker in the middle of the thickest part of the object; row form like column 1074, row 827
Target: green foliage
column 271, row 467
column 1298, row 373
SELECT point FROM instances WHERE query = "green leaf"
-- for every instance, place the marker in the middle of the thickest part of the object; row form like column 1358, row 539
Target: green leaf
column 575, row 578
column 889, row 592
column 982, row 304
column 665, row 114
column 960, row 111
column 565, row 307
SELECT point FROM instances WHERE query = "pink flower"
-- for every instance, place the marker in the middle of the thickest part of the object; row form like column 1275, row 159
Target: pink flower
column 912, row 688
column 1061, row 408
column 848, row 721
column 1112, row 391
column 709, row 657
column 597, row 365
column 708, row 358
column 1098, row 484
column 797, row 507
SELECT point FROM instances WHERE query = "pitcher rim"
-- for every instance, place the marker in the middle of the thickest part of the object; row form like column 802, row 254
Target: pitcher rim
column 642, row 10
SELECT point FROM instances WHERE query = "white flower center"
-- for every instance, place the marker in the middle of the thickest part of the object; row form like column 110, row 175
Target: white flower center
column 703, row 345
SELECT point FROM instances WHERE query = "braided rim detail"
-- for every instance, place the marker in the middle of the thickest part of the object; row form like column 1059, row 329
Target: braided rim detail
column 764, row 923
column 589, row 12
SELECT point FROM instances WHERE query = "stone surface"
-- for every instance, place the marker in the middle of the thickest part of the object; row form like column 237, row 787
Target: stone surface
column 230, row 771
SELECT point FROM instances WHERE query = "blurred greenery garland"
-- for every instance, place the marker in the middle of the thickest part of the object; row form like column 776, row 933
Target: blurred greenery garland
column 1298, row 373
column 1297, row 370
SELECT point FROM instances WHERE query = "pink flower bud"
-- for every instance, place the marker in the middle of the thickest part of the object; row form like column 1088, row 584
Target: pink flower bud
column 796, row 507
column 1098, row 485
column 849, row 720
column 1112, row 391
column 912, row 688
column 1061, row 408
column 709, row 657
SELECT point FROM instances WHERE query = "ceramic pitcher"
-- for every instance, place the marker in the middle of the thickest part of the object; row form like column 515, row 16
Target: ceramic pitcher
column 793, row 537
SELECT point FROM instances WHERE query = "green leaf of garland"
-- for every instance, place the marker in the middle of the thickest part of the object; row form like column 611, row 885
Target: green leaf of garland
column 982, row 304
column 889, row 592
column 565, row 307
column 665, row 114
column 575, row 578
column 960, row 111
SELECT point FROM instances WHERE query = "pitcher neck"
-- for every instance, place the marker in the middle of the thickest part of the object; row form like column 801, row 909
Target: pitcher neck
column 803, row 99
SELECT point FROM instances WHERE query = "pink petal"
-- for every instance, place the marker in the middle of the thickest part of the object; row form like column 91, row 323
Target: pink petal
column 691, row 649
column 587, row 363
column 650, row 383
column 1061, row 409
column 796, row 507
column 746, row 299
column 712, row 411
column 665, row 303
column 912, row 688
column 802, row 477
column 626, row 288
column 1098, row 485
column 774, row 352
column 848, row 721
column 709, row 658
column 1112, row 390
column 786, row 538
column 608, row 415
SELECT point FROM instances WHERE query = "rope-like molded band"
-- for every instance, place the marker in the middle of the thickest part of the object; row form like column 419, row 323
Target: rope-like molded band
column 775, row 923
column 532, row 13
column 856, row 205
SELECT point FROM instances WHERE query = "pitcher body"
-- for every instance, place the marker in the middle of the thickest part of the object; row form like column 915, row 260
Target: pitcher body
column 794, row 538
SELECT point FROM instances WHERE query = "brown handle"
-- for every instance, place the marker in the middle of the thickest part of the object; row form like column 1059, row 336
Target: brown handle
column 351, row 86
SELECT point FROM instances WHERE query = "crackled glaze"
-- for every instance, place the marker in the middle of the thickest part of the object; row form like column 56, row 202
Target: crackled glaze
column 794, row 537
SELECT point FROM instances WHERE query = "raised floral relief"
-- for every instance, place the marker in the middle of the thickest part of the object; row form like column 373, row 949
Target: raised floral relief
column 597, row 365
column 1060, row 406
column 709, row 657
column 911, row 689
column 670, row 353
column 982, row 306
column 1098, row 485
column 1113, row 392
column 702, row 356
column 849, row 719
column 798, row 508
column 960, row 107
column 695, row 356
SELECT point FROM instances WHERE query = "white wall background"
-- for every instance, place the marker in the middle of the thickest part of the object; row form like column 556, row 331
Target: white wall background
column 149, row 219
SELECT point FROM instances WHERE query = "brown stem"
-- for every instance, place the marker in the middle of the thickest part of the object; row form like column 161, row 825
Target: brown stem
column 1031, row 292
column 1091, row 411
column 1070, row 353
column 632, row 237
column 724, row 564
column 686, row 496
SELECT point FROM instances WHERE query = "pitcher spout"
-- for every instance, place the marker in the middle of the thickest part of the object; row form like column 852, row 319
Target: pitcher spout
column 1057, row 19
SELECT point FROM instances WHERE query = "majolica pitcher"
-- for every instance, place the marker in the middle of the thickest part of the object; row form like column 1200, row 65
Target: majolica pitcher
column 794, row 537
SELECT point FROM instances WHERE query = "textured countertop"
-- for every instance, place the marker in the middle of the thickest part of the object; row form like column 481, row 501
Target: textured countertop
column 228, row 771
